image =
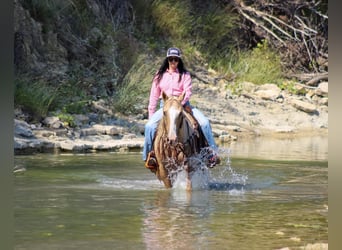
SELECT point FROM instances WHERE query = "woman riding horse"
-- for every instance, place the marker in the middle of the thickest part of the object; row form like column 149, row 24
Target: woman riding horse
column 179, row 144
column 173, row 79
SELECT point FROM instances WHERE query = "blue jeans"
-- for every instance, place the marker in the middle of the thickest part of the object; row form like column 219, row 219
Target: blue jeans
column 151, row 126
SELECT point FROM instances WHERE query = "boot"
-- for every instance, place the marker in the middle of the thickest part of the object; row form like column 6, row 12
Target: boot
column 212, row 158
column 151, row 162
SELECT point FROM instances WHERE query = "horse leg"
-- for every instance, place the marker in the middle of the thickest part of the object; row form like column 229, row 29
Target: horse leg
column 188, row 186
column 167, row 182
column 163, row 174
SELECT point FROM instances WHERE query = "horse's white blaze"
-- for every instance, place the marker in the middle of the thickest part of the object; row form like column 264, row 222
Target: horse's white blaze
column 174, row 113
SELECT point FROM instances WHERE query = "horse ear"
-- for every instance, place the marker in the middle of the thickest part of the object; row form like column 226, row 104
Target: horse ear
column 181, row 97
column 165, row 97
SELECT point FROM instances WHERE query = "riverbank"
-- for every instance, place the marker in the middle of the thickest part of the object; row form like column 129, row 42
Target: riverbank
column 255, row 111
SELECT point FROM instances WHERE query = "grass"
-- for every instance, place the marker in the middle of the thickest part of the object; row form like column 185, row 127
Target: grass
column 36, row 97
column 259, row 66
column 172, row 19
column 133, row 96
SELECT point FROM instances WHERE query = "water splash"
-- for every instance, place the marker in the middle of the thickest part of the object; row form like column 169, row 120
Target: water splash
column 199, row 179
column 222, row 177
column 227, row 178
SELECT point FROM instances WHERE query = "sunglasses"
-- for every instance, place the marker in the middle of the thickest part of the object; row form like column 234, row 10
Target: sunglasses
column 173, row 59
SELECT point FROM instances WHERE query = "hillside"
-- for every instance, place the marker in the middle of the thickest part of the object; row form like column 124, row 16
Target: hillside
column 96, row 59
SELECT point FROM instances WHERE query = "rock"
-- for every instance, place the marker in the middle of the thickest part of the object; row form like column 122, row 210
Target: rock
column 227, row 138
column 304, row 106
column 89, row 131
column 129, row 137
column 108, row 129
column 322, row 89
column 53, row 122
column 285, row 129
column 44, row 133
column 296, row 239
column 100, row 106
column 22, row 128
column 72, row 146
column 247, row 87
column 81, row 119
column 268, row 92
column 32, row 145
column 323, row 101
column 316, row 246
column 300, row 89
column 61, row 132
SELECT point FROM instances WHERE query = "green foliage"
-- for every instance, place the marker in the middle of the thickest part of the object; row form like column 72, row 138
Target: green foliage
column 260, row 65
column 79, row 107
column 290, row 86
column 75, row 92
column 67, row 119
column 37, row 97
column 205, row 26
column 171, row 18
column 133, row 96
column 235, row 88
column 71, row 91
column 214, row 29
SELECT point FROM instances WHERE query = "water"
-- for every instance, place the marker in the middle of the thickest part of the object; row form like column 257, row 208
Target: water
column 253, row 200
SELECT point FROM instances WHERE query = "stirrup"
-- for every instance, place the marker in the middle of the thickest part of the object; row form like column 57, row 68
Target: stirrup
column 151, row 162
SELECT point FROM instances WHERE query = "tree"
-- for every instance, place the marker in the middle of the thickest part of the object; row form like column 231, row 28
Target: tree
column 298, row 29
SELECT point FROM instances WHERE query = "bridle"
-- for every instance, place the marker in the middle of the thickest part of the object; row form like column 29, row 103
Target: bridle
column 175, row 149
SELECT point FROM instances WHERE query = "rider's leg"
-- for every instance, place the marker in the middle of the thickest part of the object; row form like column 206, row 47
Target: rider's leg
column 205, row 126
column 211, row 155
column 150, row 129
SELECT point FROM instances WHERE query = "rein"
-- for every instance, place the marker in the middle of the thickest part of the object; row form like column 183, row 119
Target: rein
column 180, row 150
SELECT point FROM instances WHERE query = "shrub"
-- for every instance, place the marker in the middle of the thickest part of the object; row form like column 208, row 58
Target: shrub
column 67, row 119
column 133, row 96
column 37, row 98
column 171, row 18
column 260, row 65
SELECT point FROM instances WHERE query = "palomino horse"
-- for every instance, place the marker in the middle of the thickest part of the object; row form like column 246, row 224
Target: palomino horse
column 178, row 138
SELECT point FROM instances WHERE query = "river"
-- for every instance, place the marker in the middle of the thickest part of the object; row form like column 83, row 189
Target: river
column 266, row 194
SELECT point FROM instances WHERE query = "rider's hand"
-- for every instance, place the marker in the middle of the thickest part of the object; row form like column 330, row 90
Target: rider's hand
column 188, row 109
column 195, row 125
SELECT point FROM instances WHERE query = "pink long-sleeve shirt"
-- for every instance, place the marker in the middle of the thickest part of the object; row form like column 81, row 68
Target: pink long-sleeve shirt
column 170, row 85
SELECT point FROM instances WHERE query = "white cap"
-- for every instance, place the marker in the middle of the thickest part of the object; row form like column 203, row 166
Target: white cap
column 173, row 51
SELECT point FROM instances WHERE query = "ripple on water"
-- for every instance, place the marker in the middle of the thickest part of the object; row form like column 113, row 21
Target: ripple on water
column 122, row 184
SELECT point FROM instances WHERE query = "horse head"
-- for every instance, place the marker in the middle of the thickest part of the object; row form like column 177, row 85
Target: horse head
column 172, row 116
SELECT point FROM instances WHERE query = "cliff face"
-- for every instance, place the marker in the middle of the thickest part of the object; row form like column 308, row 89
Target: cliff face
column 55, row 39
column 35, row 52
